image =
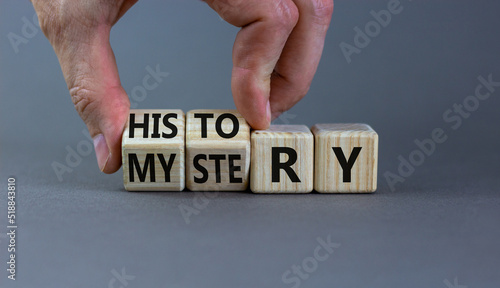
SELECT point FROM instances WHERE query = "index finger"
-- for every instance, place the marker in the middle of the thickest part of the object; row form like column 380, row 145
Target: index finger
column 266, row 26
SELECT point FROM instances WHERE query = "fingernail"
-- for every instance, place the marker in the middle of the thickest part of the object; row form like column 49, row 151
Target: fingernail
column 268, row 112
column 101, row 151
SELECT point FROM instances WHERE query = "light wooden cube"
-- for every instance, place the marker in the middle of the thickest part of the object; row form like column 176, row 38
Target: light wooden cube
column 282, row 160
column 217, row 150
column 346, row 158
column 153, row 151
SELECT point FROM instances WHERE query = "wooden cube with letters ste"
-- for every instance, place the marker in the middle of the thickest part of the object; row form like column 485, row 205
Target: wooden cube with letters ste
column 217, row 150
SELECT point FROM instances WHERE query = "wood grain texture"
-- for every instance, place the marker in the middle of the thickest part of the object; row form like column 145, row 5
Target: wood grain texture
column 213, row 145
column 150, row 147
column 297, row 137
column 329, row 176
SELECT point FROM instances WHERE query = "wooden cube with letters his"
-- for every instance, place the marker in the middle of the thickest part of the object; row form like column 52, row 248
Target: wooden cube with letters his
column 153, row 151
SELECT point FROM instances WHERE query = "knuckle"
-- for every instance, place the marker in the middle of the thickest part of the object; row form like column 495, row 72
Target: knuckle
column 48, row 25
column 285, row 14
column 300, row 92
column 44, row 24
column 322, row 10
column 48, row 18
column 84, row 102
column 296, row 86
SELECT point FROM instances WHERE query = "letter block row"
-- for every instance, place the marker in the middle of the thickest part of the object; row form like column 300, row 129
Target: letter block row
column 215, row 150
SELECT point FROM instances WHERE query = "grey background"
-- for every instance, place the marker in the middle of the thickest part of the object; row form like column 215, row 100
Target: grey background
column 438, row 227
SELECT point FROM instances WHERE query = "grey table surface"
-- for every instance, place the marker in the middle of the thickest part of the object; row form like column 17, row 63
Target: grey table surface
column 439, row 227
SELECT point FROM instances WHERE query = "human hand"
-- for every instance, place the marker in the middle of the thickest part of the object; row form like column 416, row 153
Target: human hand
column 79, row 33
column 275, row 56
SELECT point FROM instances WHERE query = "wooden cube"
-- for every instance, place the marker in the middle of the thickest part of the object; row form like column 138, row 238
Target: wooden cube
column 217, row 150
column 153, row 151
column 346, row 158
column 282, row 160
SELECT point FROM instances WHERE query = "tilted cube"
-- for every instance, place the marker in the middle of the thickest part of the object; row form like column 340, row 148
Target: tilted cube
column 217, row 150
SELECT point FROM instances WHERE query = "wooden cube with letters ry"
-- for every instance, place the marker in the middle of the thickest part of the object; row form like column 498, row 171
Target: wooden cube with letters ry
column 217, row 150
column 282, row 160
column 346, row 158
column 153, row 151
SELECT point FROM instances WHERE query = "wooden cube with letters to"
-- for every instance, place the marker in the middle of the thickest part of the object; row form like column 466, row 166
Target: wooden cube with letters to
column 346, row 158
column 282, row 160
column 153, row 151
column 217, row 150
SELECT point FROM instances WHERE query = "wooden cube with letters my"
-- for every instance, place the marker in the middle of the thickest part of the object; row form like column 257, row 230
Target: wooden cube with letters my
column 217, row 150
column 153, row 151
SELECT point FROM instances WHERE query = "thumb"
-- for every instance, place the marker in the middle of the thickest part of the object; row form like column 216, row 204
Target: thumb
column 79, row 33
column 92, row 77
